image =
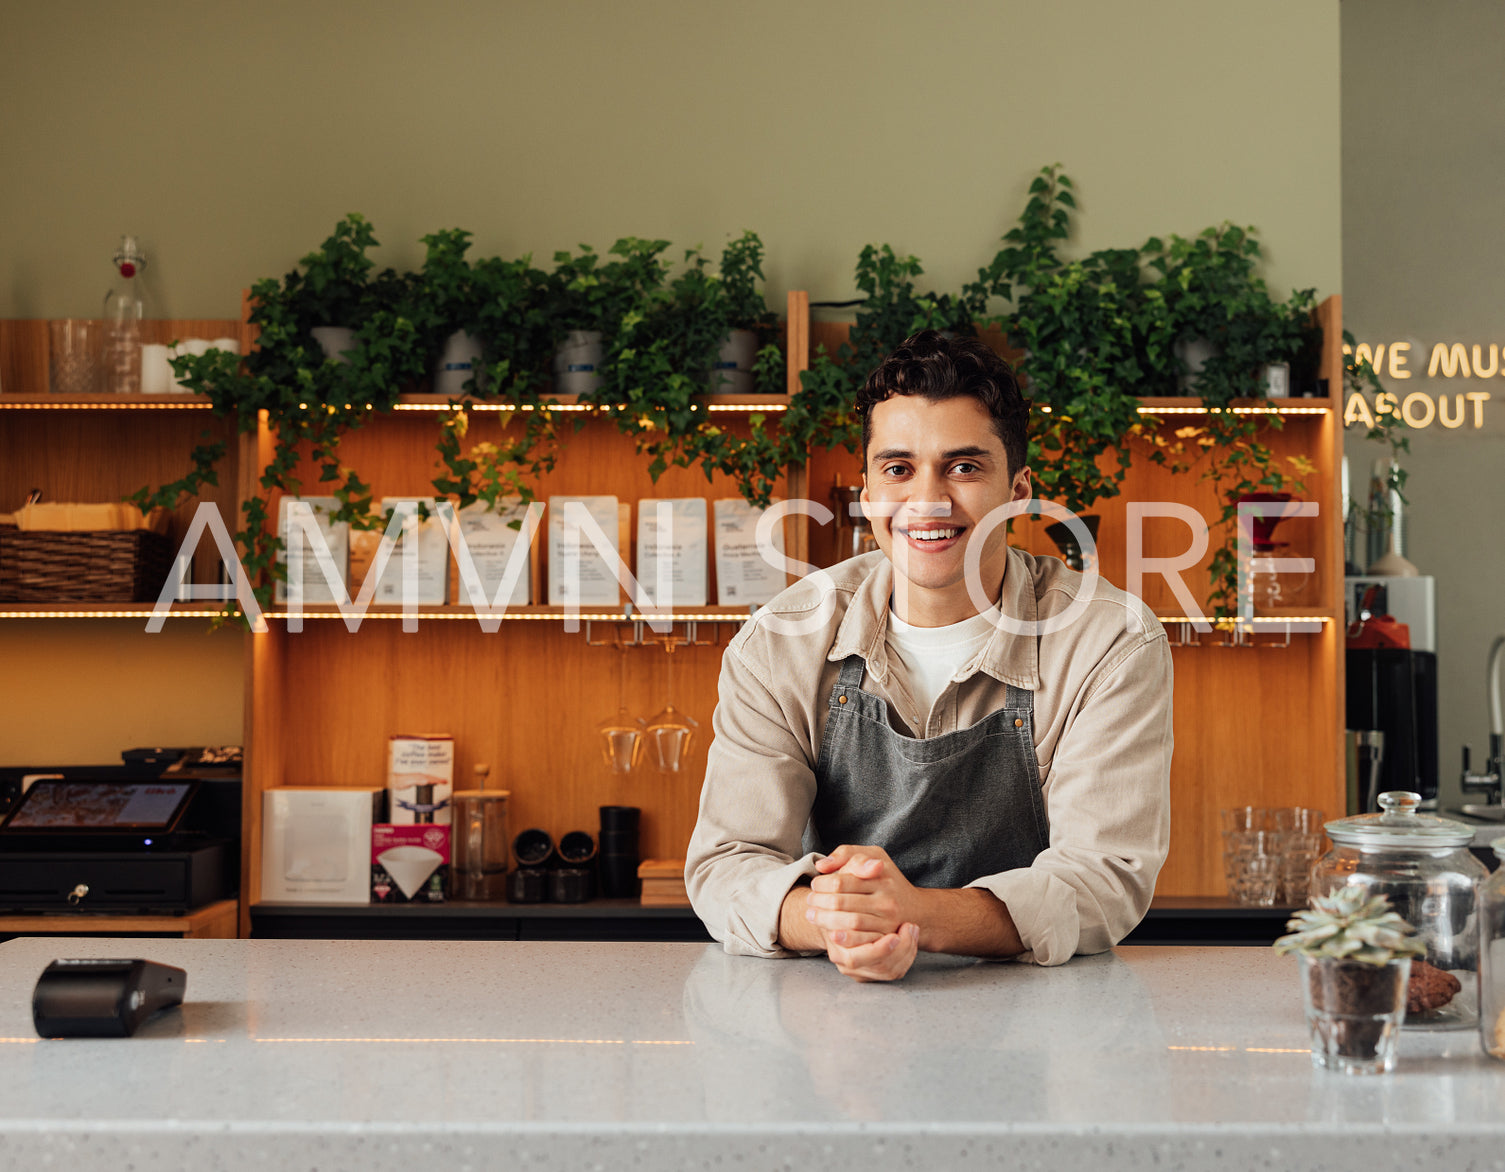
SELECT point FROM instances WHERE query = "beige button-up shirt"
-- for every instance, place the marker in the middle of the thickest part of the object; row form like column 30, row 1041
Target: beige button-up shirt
column 1100, row 671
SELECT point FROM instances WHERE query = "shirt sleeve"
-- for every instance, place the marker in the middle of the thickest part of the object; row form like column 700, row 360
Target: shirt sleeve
column 745, row 854
column 1108, row 802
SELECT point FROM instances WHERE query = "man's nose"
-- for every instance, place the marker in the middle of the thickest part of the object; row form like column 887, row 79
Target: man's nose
column 929, row 495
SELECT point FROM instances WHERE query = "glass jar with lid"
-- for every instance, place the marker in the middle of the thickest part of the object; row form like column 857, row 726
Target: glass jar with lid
column 1492, row 958
column 1423, row 864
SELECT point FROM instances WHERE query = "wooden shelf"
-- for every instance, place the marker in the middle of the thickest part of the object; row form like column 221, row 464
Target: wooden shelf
column 319, row 707
column 104, row 403
column 413, row 402
column 593, row 614
column 215, row 921
column 1272, row 616
column 717, row 402
column 1191, row 405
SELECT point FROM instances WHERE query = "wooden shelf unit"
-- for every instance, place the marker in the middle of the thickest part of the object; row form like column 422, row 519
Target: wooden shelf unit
column 1257, row 724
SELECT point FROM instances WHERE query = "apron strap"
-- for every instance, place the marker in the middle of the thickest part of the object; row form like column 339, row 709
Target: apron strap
column 851, row 671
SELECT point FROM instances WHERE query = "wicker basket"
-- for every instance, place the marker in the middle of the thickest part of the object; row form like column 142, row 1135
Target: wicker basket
column 39, row 565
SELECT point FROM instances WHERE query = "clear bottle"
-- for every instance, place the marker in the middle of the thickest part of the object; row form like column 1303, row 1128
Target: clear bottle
column 1492, row 958
column 124, row 311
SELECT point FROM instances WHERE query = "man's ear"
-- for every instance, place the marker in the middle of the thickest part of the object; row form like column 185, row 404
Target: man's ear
column 1024, row 488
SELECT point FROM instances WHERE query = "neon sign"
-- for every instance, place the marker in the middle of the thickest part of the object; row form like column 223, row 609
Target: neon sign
column 1449, row 360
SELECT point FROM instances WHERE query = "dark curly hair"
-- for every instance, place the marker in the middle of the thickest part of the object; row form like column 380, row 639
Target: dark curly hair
column 937, row 367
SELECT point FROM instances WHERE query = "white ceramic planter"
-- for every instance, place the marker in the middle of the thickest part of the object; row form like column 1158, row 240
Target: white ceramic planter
column 733, row 371
column 1275, row 377
column 577, row 363
column 336, row 341
column 1194, row 352
column 460, row 359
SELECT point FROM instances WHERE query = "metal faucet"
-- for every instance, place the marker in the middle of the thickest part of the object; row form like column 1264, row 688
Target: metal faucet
column 1488, row 782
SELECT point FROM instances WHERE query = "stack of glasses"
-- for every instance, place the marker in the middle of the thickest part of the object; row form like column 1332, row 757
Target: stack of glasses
column 1268, row 853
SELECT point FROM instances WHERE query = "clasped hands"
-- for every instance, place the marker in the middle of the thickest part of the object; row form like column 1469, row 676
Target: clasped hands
column 866, row 913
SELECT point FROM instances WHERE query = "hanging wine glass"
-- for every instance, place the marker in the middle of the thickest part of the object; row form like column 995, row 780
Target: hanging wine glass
column 622, row 732
column 670, row 733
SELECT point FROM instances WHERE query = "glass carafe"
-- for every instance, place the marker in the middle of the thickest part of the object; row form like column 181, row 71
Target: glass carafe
column 854, row 532
column 1422, row 863
column 480, row 844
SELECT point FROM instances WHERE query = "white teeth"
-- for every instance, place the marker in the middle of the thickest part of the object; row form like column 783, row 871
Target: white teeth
column 933, row 534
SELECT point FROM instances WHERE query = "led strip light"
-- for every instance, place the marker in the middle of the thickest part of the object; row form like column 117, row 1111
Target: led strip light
column 110, row 614
column 35, row 405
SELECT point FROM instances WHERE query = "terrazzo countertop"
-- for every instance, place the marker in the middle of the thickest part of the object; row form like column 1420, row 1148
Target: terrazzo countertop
column 387, row 1055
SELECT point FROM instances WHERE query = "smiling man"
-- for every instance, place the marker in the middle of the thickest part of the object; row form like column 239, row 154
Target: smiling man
column 949, row 745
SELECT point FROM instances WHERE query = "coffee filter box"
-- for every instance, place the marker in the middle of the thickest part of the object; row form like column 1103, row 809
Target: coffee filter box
column 420, row 778
column 316, row 843
column 409, row 864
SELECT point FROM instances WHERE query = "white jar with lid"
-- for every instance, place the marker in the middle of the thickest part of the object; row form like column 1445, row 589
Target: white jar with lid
column 1423, row 864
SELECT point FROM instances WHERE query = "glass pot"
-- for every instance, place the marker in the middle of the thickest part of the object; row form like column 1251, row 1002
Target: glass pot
column 1422, row 863
column 1492, row 958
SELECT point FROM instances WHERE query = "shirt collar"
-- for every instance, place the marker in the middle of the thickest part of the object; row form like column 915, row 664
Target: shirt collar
column 1008, row 657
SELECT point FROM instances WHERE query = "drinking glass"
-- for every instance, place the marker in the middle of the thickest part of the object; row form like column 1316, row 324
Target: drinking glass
column 76, row 355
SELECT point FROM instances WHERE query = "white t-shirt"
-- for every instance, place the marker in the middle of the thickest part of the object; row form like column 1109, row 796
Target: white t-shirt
column 932, row 656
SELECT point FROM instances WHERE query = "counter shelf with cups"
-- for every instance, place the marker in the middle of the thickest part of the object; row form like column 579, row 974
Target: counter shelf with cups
column 1171, row 920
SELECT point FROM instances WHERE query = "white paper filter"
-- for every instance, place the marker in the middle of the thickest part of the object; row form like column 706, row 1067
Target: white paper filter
column 410, row 866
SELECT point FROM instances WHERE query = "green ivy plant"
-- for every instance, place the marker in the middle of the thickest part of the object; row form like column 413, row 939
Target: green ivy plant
column 585, row 293
column 334, row 287
column 1213, row 291
column 741, row 271
column 1094, row 337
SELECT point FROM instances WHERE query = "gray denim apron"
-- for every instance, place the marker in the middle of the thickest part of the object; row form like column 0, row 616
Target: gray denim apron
column 947, row 810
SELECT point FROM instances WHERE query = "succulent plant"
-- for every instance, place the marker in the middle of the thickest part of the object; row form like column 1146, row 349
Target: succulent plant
column 1350, row 924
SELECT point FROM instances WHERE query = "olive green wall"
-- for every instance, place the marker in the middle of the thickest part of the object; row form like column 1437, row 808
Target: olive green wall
column 1423, row 244
column 231, row 137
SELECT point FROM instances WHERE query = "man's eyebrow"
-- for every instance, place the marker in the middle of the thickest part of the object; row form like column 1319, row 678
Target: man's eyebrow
column 951, row 454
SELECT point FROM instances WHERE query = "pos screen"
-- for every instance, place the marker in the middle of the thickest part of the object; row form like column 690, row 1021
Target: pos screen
column 54, row 804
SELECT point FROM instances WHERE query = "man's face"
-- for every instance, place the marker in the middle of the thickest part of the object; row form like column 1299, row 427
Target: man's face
column 934, row 471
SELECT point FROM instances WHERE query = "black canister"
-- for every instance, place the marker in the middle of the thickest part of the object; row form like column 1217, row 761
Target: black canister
column 533, row 848
column 571, row 885
column 624, row 818
column 617, row 853
column 528, row 885
column 578, row 849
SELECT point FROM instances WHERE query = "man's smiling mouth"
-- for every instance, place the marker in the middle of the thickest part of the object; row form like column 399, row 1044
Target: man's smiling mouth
column 931, row 534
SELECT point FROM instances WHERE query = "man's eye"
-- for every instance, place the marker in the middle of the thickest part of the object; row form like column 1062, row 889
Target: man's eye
column 895, row 470
column 966, row 468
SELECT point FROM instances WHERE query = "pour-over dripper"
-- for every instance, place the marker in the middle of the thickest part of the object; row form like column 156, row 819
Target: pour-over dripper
column 621, row 740
column 669, row 735
column 1263, row 527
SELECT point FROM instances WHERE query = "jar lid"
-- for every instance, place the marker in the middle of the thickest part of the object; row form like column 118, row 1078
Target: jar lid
column 1399, row 824
column 1498, row 846
column 484, row 795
